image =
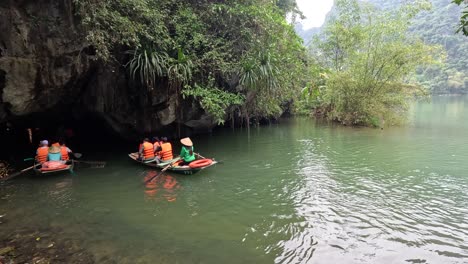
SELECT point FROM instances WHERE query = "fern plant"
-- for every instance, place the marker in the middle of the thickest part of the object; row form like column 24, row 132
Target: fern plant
column 146, row 66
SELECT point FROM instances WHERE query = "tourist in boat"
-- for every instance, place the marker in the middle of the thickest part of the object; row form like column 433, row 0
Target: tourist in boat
column 157, row 146
column 65, row 151
column 146, row 151
column 166, row 150
column 42, row 151
column 186, row 153
column 157, row 142
column 54, row 153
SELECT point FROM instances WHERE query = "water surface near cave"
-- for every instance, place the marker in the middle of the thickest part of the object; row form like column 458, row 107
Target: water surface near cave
column 295, row 192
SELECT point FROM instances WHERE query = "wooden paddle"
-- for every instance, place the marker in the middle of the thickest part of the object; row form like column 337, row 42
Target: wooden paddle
column 198, row 154
column 19, row 172
column 218, row 162
column 94, row 164
column 162, row 171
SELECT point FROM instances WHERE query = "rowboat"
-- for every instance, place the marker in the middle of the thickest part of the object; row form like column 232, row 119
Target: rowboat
column 39, row 169
column 186, row 170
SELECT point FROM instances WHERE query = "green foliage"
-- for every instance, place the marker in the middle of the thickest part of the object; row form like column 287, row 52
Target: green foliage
column 315, row 88
column 311, row 95
column 438, row 26
column 179, row 70
column 463, row 26
column 212, row 99
column 370, row 57
column 147, row 66
column 110, row 24
column 259, row 72
column 248, row 47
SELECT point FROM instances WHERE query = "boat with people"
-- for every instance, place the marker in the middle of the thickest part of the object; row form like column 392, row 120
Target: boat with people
column 55, row 158
column 192, row 168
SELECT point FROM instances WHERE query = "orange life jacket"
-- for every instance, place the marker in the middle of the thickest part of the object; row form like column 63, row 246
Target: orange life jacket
column 148, row 150
column 64, row 152
column 166, row 152
column 42, row 153
column 56, row 144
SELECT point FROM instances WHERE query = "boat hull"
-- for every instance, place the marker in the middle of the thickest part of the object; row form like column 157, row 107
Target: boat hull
column 69, row 168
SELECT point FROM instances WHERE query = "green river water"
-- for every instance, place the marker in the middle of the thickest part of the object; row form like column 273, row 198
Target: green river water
column 296, row 192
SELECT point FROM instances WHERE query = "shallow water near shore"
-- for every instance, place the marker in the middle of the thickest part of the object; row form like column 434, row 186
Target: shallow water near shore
column 295, row 192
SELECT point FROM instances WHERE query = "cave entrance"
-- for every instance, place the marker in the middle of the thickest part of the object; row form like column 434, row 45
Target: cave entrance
column 20, row 137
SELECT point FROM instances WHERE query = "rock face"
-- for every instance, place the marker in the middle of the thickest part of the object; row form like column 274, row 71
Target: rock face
column 46, row 65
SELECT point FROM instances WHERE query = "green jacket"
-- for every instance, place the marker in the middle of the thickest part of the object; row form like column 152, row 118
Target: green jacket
column 185, row 154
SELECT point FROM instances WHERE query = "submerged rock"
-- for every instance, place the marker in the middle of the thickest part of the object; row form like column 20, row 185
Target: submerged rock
column 45, row 246
column 6, row 250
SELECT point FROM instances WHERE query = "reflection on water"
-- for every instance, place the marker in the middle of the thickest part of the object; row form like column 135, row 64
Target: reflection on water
column 298, row 192
column 162, row 186
column 310, row 208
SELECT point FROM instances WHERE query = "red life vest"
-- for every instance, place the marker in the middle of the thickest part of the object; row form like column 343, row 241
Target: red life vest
column 166, row 152
column 64, row 152
column 42, row 153
column 148, row 150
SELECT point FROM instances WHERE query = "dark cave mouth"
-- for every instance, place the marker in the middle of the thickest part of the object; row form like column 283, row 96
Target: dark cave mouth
column 21, row 135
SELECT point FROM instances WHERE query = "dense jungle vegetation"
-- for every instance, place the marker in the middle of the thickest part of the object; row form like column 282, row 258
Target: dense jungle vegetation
column 242, row 60
column 439, row 26
column 238, row 59
column 364, row 58
column 443, row 24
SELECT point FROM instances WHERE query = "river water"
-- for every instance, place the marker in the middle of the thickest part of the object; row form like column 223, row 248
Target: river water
column 295, row 192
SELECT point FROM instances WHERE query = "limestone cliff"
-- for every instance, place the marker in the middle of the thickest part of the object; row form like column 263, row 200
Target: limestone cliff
column 47, row 65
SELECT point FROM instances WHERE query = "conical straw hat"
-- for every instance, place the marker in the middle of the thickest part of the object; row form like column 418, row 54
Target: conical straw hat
column 54, row 149
column 186, row 142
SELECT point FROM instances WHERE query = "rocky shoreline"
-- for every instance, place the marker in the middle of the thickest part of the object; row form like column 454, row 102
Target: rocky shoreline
column 5, row 170
column 40, row 246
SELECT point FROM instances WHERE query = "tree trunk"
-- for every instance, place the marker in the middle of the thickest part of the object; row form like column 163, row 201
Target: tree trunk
column 247, row 120
column 232, row 120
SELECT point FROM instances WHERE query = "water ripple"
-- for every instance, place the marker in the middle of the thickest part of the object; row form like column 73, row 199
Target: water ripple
column 363, row 214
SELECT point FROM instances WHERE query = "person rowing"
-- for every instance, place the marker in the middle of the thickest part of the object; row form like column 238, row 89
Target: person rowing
column 65, row 151
column 54, row 153
column 186, row 153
